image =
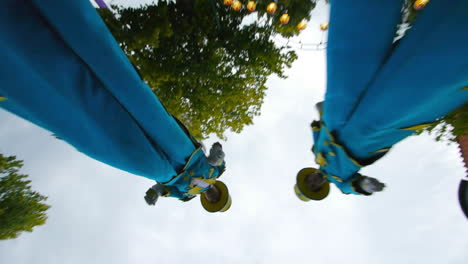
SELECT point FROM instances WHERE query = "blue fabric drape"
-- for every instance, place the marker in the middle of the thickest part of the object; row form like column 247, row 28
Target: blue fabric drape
column 376, row 88
column 360, row 39
column 62, row 70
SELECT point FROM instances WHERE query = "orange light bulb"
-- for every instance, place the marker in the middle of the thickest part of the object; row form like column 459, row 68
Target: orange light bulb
column 284, row 18
column 271, row 7
column 236, row 5
column 302, row 25
column 420, row 4
column 324, row 26
column 251, row 5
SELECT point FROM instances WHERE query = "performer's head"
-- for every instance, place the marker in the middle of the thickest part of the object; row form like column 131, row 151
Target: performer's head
column 314, row 181
column 213, row 194
column 311, row 185
column 216, row 198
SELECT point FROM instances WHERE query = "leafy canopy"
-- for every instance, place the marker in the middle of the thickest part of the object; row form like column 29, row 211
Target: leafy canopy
column 21, row 208
column 207, row 67
column 450, row 126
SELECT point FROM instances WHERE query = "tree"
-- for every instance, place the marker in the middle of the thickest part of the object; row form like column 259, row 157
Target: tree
column 21, row 209
column 207, row 68
column 451, row 126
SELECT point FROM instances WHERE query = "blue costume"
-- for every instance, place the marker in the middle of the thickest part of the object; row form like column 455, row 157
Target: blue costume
column 62, row 70
column 380, row 92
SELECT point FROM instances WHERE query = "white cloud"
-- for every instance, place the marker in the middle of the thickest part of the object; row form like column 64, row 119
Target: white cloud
column 98, row 214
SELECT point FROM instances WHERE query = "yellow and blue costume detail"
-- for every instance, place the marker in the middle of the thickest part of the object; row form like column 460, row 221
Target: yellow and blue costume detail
column 181, row 187
column 335, row 163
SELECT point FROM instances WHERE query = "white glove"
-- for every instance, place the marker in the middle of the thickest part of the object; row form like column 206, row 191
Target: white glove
column 153, row 193
column 216, row 156
column 371, row 185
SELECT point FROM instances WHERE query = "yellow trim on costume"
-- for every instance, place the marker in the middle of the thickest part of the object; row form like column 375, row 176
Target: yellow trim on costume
column 465, row 88
column 416, row 127
column 175, row 178
column 211, row 181
column 190, row 159
column 2, row 98
column 336, row 178
column 320, row 159
column 168, row 192
column 355, row 162
column 195, row 190
column 314, row 128
column 333, row 142
column 350, row 158
column 328, row 133
column 210, row 172
column 326, row 143
column 331, row 153
column 381, row 150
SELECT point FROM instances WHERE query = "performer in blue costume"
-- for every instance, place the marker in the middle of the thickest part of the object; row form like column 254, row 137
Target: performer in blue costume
column 62, row 70
column 380, row 92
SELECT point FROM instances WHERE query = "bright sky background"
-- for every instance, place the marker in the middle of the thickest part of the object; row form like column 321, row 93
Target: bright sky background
column 98, row 213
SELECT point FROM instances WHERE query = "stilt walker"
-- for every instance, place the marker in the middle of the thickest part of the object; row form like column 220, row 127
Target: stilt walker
column 62, row 70
column 380, row 92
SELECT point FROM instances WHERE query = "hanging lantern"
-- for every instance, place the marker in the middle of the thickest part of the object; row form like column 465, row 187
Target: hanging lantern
column 271, row 7
column 251, row 5
column 324, row 26
column 228, row 2
column 302, row 25
column 420, row 4
column 236, row 5
column 284, row 18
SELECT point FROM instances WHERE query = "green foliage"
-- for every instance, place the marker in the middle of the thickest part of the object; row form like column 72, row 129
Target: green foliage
column 207, row 69
column 411, row 13
column 450, row 126
column 21, row 209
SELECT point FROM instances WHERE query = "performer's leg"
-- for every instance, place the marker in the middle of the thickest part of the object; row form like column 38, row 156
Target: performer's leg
column 360, row 38
column 422, row 80
column 79, row 25
column 44, row 81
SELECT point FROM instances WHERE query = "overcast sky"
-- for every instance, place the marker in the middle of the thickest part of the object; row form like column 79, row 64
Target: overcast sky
column 98, row 213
